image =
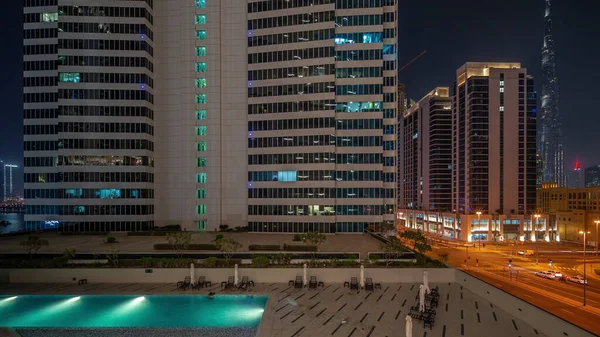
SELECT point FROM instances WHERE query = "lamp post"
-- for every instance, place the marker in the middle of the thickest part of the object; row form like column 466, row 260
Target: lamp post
column 479, row 227
column 537, row 219
column 597, row 222
column 584, row 269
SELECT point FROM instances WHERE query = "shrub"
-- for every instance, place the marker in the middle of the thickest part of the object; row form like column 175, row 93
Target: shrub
column 209, row 262
column 219, row 237
column 260, row 261
column 352, row 256
column 264, row 247
column 282, row 258
column 150, row 233
column 299, row 248
column 110, row 239
column 191, row 246
column 223, row 228
column 297, row 237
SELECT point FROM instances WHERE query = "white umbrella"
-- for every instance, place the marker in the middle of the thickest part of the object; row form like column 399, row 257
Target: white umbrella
column 408, row 326
column 305, row 278
column 362, row 276
column 426, row 282
column 192, row 277
column 236, row 277
column 421, row 298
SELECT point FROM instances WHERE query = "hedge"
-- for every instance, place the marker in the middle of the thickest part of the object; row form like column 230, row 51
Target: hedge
column 150, row 233
column 299, row 248
column 191, row 246
column 264, row 247
column 83, row 233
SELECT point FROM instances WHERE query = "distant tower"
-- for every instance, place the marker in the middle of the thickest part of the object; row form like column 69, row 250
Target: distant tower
column 8, row 187
column 550, row 142
column 577, row 174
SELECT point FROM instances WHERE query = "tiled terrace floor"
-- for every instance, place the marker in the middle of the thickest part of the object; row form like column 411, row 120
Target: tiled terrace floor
column 308, row 312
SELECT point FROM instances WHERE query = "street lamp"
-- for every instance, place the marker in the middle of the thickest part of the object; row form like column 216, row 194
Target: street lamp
column 597, row 222
column 584, row 269
column 537, row 219
column 479, row 227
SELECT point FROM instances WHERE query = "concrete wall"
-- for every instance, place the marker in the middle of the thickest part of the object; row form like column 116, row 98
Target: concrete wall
column 259, row 275
column 541, row 320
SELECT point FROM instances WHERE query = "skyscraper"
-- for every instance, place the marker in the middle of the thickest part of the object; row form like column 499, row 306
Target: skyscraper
column 550, row 141
column 494, row 157
column 277, row 115
column 492, row 162
column 425, row 161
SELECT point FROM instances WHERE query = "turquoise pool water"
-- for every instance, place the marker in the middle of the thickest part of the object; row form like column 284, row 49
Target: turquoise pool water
column 131, row 311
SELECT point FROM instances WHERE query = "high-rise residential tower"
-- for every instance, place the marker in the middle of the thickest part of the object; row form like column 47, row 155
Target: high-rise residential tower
column 494, row 148
column 492, row 165
column 277, row 115
column 425, row 160
column 550, row 140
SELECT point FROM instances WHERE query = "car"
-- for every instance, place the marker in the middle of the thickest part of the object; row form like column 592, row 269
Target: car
column 556, row 273
column 527, row 252
column 545, row 274
column 577, row 279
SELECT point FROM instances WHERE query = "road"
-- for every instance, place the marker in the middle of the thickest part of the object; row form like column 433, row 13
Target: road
column 563, row 299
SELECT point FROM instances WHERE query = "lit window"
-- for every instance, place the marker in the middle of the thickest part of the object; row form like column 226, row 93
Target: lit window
column 201, row 146
column 200, row 98
column 501, row 108
column 201, row 178
column 201, row 193
column 200, row 3
column 69, row 77
column 200, row 51
column 201, row 83
column 501, row 83
column 108, row 193
column 49, row 17
column 200, row 115
column 201, row 225
column 287, row 176
column 200, row 35
column 200, row 19
column 201, row 162
column 501, row 89
column 200, row 209
column 200, row 67
column 201, row 130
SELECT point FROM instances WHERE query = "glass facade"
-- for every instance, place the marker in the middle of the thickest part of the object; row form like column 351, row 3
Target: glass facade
column 69, row 155
column 317, row 181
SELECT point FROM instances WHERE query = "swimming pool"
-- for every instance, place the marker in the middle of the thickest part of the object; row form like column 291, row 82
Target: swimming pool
column 59, row 311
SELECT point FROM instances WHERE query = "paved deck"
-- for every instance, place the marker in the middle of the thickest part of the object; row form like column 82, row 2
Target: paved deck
column 308, row 312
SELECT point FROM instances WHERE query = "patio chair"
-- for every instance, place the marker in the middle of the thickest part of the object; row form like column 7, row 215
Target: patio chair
column 298, row 283
column 353, row 283
column 246, row 283
column 185, row 284
column 429, row 319
column 369, row 284
column 312, row 283
column 202, row 282
column 229, row 284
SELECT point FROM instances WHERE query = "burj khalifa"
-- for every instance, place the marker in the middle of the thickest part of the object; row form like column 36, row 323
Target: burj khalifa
column 550, row 142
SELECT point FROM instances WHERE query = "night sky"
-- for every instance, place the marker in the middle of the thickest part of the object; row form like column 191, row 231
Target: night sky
column 453, row 32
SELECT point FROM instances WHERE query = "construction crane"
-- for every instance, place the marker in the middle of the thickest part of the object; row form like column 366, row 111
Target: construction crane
column 413, row 60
